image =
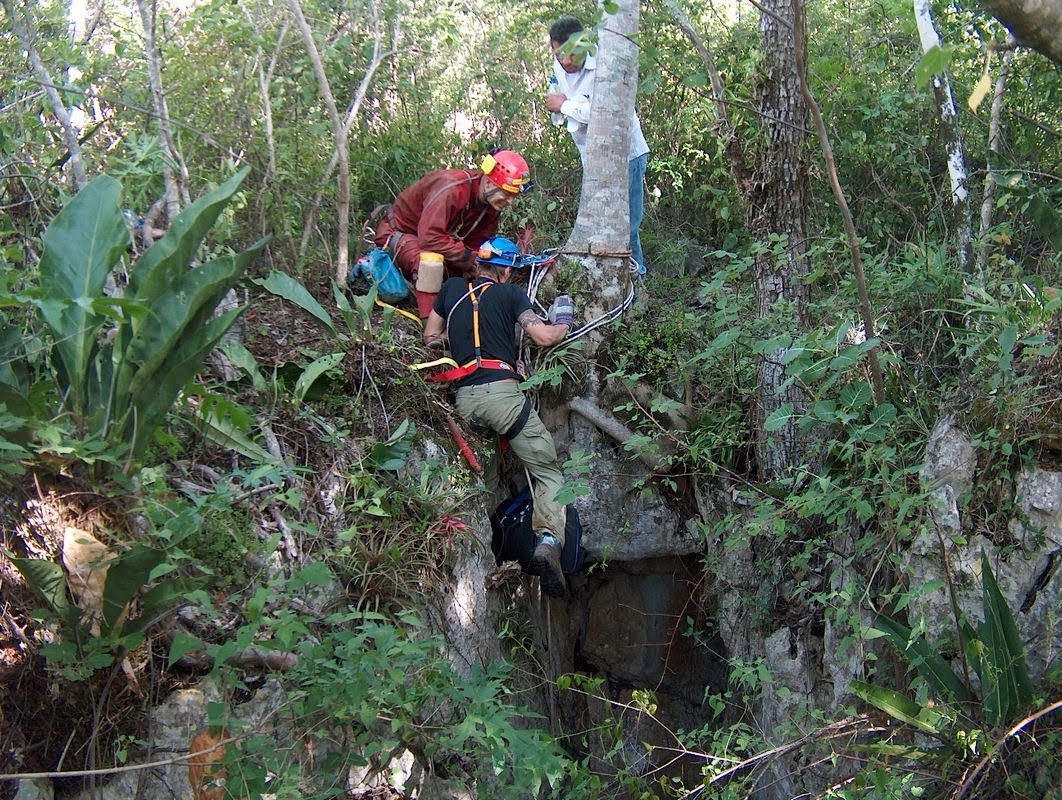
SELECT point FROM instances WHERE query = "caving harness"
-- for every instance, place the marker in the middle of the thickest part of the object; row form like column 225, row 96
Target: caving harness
column 464, row 370
column 460, row 371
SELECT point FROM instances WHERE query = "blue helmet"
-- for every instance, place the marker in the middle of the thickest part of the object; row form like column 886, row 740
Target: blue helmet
column 500, row 252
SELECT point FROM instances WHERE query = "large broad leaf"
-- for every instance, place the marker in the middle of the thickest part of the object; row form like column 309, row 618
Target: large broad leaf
column 158, row 601
column 392, row 454
column 929, row 664
column 151, row 407
column 196, row 293
column 82, row 244
column 316, row 369
column 13, row 370
column 283, row 285
column 344, row 307
column 1010, row 689
column 177, row 249
column 125, row 577
column 223, row 432
column 193, row 296
column 899, row 707
column 48, row 580
column 171, row 255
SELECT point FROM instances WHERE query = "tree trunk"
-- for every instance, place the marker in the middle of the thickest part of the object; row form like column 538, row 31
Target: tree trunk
column 949, row 124
column 1031, row 22
column 340, row 151
column 176, row 184
column 777, row 209
column 994, row 136
column 602, row 225
column 342, row 127
column 24, row 32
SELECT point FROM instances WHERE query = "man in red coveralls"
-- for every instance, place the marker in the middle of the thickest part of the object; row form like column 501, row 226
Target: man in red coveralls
column 449, row 212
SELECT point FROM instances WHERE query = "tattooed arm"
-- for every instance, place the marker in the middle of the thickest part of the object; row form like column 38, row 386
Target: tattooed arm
column 542, row 333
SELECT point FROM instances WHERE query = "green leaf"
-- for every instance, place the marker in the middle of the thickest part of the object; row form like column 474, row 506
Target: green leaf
column 933, row 62
column 1011, row 689
column 125, row 577
column 183, row 643
column 314, row 574
column 176, row 315
column 392, row 454
column 223, row 432
column 316, row 369
column 929, row 664
column 344, row 307
column 243, row 358
column 159, row 600
column 152, row 407
column 899, row 706
column 81, row 246
column 172, row 254
column 283, row 285
column 48, row 580
column 778, row 418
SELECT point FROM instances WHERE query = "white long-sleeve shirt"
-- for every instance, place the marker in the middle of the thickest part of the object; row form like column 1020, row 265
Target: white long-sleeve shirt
column 578, row 87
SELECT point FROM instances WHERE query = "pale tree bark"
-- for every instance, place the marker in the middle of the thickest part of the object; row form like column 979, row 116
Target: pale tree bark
column 340, row 145
column 602, row 224
column 949, row 124
column 341, row 128
column 774, row 187
column 24, row 31
column 176, row 183
column 995, row 128
column 777, row 210
column 265, row 80
column 77, row 22
column 379, row 56
column 1032, row 23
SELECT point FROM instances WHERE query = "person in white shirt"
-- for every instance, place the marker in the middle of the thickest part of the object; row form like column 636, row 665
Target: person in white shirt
column 570, row 96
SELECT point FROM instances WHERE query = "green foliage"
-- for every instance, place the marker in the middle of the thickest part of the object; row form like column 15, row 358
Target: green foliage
column 392, row 454
column 391, row 684
column 390, row 687
column 87, row 643
column 964, row 717
column 114, row 392
column 221, row 544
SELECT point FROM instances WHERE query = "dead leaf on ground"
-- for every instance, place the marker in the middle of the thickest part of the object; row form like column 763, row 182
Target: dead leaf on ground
column 86, row 560
column 207, row 780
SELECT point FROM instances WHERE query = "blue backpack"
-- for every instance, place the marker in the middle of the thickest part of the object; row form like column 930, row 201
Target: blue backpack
column 513, row 539
column 377, row 267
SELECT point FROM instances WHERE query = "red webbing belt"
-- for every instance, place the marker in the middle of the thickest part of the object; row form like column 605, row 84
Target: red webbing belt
column 458, row 373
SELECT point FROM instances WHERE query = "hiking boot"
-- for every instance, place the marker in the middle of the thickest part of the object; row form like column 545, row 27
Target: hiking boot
column 547, row 565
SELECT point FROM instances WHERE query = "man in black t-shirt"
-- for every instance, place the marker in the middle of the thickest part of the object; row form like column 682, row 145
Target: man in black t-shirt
column 478, row 315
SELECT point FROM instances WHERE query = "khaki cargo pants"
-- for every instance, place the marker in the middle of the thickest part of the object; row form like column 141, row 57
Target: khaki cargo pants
column 497, row 406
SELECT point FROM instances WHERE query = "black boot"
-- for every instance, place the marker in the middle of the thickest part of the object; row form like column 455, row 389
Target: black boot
column 547, row 565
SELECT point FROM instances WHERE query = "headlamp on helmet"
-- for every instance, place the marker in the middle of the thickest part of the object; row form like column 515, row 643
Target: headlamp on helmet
column 507, row 170
column 500, row 252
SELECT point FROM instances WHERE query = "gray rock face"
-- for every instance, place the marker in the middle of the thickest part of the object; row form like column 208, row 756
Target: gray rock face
column 34, row 790
column 620, row 522
column 1028, row 567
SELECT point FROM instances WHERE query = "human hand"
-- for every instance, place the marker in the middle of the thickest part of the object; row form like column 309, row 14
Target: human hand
column 562, row 311
column 555, row 101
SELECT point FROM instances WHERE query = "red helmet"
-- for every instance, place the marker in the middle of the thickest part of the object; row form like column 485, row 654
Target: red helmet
column 507, row 170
